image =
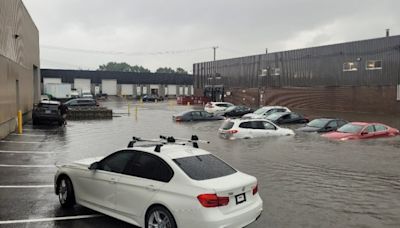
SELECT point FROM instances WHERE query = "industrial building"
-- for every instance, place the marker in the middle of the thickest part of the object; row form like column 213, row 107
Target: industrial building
column 121, row 83
column 19, row 64
column 360, row 76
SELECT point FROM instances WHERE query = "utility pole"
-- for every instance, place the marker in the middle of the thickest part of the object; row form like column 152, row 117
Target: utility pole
column 213, row 97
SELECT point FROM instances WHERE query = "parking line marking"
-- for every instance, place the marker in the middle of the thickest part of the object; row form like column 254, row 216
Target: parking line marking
column 28, row 186
column 28, row 166
column 11, row 141
column 50, row 219
column 27, row 152
column 36, row 135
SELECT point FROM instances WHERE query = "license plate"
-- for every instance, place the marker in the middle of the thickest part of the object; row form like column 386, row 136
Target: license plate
column 240, row 198
column 47, row 111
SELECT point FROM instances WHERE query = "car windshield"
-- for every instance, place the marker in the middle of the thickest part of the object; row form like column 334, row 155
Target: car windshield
column 274, row 116
column 260, row 111
column 204, row 167
column 318, row 123
column 350, row 128
column 231, row 108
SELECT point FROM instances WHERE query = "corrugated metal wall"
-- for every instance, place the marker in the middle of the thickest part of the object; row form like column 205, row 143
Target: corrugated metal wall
column 318, row 66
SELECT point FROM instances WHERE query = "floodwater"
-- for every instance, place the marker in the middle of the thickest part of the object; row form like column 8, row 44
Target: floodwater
column 304, row 181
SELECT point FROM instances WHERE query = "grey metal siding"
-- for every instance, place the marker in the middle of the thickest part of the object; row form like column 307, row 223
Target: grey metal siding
column 316, row 66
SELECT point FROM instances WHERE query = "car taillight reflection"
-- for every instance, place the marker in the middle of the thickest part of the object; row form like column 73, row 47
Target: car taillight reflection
column 212, row 200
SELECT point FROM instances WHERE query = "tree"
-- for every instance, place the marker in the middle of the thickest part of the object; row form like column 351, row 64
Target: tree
column 180, row 70
column 124, row 67
column 165, row 70
column 168, row 70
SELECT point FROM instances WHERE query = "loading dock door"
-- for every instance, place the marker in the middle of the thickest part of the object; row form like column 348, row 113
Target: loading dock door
column 171, row 90
column 126, row 89
column 51, row 80
column 82, row 84
column 109, row 86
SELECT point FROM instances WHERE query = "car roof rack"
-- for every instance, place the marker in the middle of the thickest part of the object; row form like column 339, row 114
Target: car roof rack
column 163, row 140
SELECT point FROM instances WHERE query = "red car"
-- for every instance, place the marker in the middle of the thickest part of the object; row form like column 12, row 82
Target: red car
column 361, row 130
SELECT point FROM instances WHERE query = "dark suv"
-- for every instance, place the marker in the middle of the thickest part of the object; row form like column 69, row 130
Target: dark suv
column 47, row 111
column 81, row 102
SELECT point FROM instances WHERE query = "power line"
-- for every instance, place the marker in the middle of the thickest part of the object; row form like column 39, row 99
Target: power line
column 88, row 51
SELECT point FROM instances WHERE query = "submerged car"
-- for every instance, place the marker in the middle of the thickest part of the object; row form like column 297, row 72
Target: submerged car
column 237, row 111
column 251, row 128
column 81, row 102
column 152, row 98
column 322, row 125
column 195, row 115
column 217, row 107
column 287, row 118
column 265, row 111
column 47, row 111
column 162, row 185
column 362, row 130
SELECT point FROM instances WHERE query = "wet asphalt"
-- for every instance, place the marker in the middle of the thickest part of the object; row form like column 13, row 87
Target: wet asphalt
column 305, row 180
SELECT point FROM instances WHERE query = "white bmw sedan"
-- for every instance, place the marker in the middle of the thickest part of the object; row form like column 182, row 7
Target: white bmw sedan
column 179, row 186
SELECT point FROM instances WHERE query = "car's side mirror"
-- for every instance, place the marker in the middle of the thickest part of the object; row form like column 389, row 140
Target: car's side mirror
column 364, row 133
column 328, row 128
column 94, row 166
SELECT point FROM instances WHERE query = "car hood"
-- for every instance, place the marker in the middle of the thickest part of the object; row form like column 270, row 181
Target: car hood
column 308, row 129
column 338, row 135
column 87, row 161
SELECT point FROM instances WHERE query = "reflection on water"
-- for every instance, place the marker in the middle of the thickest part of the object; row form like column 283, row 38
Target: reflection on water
column 305, row 180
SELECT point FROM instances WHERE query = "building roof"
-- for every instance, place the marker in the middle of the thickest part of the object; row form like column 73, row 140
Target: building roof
column 68, row 76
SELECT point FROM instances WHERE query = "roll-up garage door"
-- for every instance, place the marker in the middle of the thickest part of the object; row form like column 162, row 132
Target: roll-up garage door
column 82, row 84
column 186, row 90
column 51, row 80
column 126, row 89
column 171, row 90
column 109, row 86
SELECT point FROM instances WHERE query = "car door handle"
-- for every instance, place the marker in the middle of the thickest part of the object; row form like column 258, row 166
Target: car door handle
column 151, row 187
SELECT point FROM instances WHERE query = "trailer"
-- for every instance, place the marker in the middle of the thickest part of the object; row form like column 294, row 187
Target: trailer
column 58, row 90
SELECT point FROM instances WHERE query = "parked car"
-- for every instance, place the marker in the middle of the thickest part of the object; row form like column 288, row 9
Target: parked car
column 362, row 130
column 151, row 98
column 217, row 107
column 86, row 94
column 265, row 111
column 47, row 111
column 81, row 102
column 195, row 115
column 287, row 118
column 172, row 186
column 323, row 125
column 251, row 128
column 237, row 111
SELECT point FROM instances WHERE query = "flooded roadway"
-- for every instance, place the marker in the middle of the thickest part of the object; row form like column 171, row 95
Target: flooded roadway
column 305, row 180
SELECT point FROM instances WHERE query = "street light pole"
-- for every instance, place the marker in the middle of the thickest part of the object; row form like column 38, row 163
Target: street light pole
column 214, row 75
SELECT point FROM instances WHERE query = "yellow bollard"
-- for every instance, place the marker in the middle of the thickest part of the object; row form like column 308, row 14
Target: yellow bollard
column 129, row 108
column 136, row 112
column 19, row 122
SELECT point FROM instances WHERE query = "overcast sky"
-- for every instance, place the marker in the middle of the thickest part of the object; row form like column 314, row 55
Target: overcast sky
column 177, row 33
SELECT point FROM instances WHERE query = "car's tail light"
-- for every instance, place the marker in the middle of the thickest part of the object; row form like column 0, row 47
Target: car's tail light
column 255, row 189
column 178, row 118
column 209, row 105
column 232, row 131
column 212, row 200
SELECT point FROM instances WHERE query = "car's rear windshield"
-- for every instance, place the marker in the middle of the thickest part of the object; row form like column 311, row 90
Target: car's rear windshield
column 227, row 125
column 204, row 167
column 275, row 116
column 48, row 106
column 318, row 123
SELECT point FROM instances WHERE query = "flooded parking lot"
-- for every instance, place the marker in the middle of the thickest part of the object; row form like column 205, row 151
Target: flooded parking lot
column 305, row 180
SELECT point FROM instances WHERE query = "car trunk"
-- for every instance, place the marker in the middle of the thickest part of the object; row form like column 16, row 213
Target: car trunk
column 238, row 187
